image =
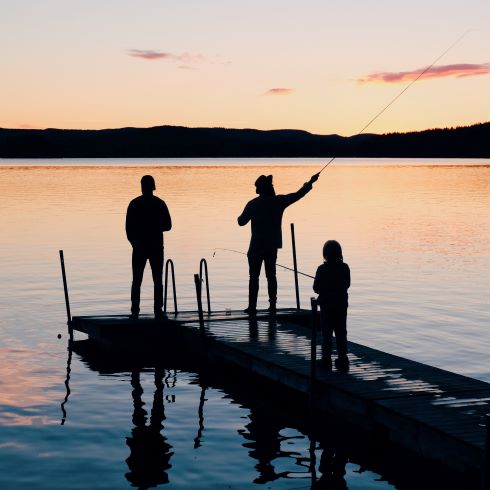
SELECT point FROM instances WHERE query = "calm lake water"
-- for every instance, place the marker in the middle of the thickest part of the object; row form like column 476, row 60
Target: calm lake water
column 416, row 235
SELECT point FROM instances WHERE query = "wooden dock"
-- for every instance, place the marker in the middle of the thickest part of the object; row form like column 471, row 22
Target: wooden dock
column 435, row 413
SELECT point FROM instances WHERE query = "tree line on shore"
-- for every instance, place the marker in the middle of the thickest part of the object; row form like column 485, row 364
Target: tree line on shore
column 181, row 142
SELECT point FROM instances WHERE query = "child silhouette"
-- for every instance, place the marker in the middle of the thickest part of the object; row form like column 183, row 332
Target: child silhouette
column 332, row 280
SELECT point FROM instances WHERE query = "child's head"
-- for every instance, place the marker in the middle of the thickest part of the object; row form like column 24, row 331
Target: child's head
column 332, row 251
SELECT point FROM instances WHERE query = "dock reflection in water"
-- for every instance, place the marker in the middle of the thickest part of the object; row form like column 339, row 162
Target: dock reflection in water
column 287, row 449
column 280, row 451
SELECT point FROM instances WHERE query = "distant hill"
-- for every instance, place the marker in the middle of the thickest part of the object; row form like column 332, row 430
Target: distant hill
column 176, row 141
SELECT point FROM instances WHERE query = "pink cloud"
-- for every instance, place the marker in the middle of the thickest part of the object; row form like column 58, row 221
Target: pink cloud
column 279, row 91
column 183, row 60
column 148, row 54
column 459, row 70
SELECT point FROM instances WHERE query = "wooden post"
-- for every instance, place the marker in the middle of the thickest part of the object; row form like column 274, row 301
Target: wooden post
column 296, row 284
column 67, row 299
column 197, row 282
column 485, row 470
column 314, row 315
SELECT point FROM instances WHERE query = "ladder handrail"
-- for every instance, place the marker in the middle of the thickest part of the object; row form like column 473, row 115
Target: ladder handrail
column 171, row 264
column 205, row 264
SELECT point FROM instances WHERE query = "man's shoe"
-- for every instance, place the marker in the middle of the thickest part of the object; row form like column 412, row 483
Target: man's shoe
column 325, row 363
column 250, row 311
column 160, row 316
column 342, row 364
column 272, row 309
column 134, row 317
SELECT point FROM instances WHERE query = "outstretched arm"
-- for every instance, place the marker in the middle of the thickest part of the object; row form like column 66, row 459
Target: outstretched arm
column 289, row 199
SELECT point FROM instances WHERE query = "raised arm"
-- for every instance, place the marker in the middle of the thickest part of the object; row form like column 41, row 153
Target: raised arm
column 289, row 199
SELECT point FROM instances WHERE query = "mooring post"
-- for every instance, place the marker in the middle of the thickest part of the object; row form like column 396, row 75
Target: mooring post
column 485, row 473
column 197, row 282
column 67, row 299
column 295, row 262
column 314, row 318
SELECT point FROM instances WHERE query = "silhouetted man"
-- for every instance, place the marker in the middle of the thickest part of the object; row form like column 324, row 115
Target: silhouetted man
column 146, row 220
column 265, row 212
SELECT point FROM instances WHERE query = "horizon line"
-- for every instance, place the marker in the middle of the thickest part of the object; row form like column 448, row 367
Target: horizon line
column 244, row 129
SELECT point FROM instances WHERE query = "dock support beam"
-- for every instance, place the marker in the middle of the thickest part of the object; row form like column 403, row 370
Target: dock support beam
column 485, row 470
column 295, row 262
column 314, row 323
column 67, row 299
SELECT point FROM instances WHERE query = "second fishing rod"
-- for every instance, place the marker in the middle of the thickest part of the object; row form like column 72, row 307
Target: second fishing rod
column 294, row 269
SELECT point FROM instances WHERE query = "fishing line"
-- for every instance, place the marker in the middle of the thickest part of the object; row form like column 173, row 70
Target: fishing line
column 420, row 75
column 278, row 265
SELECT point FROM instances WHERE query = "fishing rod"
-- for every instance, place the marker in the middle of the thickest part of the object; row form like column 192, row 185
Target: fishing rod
column 278, row 265
column 371, row 121
column 420, row 75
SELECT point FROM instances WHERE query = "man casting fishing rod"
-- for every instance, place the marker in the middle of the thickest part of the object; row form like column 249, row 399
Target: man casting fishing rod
column 265, row 213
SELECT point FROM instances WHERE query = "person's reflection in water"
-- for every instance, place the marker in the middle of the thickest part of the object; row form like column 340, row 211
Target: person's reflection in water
column 150, row 454
column 332, row 469
column 265, row 445
column 253, row 329
column 271, row 331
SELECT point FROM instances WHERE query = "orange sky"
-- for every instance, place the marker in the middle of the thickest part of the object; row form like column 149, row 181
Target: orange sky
column 323, row 67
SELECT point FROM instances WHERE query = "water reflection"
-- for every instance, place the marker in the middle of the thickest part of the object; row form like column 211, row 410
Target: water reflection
column 150, row 455
column 67, row 381
column 253, row 330
column 200, row 414
column 333, row 461
column 263, row 434
column 283, row 443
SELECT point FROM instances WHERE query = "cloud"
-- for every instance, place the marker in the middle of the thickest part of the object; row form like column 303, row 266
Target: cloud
column 148, row 54
column 459, row 70
column 186, row 61
column 279, row 91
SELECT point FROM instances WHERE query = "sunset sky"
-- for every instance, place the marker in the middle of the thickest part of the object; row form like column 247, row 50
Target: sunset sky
column 322, row 66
